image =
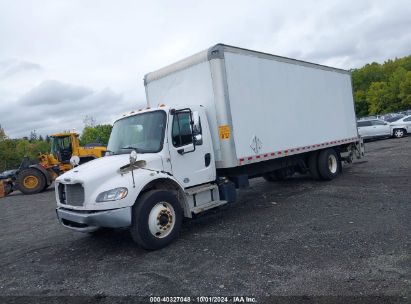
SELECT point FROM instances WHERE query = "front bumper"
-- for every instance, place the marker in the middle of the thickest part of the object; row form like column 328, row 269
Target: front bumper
column 90, row 221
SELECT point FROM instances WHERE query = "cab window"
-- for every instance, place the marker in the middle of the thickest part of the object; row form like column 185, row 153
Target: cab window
column 181, row 131
column 363, row 123
column 378, row 123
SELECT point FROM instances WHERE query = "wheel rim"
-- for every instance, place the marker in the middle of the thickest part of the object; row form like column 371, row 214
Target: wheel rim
column 30, row 182
column 332, row 163
column 161, row 220
column 399, row 133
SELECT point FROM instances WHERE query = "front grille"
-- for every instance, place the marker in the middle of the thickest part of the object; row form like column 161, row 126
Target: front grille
column 71, row 194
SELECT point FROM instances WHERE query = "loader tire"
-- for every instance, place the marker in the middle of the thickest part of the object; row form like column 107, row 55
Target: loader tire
column 46, row 186
column 31, row 181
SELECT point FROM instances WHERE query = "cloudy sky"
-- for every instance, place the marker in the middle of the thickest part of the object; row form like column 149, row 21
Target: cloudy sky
column 63, row 60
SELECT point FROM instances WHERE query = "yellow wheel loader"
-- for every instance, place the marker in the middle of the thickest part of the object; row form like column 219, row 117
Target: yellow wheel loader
column 34, row 178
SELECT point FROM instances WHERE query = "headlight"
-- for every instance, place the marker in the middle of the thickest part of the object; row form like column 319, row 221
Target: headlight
column 112, row 195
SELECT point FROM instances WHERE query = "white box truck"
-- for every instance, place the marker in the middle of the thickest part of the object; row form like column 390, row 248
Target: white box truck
column 212, row 122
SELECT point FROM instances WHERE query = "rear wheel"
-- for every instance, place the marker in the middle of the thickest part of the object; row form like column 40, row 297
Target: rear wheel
column 398, row 133
column 329, row 164
column 156, row 219
column 313, row 165
column 31, row 181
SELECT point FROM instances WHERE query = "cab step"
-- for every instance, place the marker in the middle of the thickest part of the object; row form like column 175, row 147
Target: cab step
column 202, row 188
column 207, row 206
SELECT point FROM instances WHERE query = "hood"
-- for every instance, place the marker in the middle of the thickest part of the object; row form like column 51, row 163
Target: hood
column 104, row 167
column 397, row 123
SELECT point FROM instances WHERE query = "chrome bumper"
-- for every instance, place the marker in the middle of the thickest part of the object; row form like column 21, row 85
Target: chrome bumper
column 88, row 222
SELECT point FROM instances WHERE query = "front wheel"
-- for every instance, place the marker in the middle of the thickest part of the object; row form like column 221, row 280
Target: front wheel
column 398, row 133
column 156, row 219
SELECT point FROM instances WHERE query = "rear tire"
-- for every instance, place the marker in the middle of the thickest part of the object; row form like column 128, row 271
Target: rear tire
column 31, row 181
column 329, row 164
column 156, row 219
column 398, row 133
column 313, row 165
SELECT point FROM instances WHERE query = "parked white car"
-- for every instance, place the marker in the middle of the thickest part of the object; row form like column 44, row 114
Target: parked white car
column 374, row 128
column 401, row 127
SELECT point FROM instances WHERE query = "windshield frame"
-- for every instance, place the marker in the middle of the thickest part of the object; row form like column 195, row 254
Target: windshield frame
column 163, row 134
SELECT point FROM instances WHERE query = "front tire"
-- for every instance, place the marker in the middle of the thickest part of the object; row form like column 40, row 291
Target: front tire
column 156, row 219
column 31, row 181
column 329, row 164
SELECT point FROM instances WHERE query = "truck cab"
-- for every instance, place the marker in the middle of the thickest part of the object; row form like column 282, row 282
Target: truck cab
column 161, row 158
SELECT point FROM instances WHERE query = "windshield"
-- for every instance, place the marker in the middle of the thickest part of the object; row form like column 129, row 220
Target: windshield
column 143, row 133
column 392, row 119
column 59, row 144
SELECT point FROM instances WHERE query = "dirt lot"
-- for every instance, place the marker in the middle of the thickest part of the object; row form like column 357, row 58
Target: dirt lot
column 351, row 236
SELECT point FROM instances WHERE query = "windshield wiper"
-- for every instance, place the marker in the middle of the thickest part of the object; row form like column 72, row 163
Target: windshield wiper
column 110, row 152
column 138, row 150
column 130, row 148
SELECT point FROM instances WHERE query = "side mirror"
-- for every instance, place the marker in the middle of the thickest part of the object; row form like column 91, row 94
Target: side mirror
column 75, row 161
column 196, row 123
column 198, row 139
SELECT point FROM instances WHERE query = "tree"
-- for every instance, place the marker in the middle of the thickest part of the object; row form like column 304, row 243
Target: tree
column 382, row 88
column 361, row 105
column 99, row 133
column 3, row 135
column 89, row 121
column 33, row 135
column 378, row 96
column 405, row 91
column 398, row 76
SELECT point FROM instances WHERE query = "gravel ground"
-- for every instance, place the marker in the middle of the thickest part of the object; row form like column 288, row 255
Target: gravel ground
column 350, row 237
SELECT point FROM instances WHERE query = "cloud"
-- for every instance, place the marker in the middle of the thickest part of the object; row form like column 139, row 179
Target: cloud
column 13, row 67
column 53, row 106
column 52, row 92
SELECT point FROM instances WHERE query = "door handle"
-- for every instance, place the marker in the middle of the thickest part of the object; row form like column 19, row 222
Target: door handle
column 207, row 159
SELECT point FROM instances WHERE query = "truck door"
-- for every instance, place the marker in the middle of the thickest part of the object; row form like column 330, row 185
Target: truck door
column 192, row 160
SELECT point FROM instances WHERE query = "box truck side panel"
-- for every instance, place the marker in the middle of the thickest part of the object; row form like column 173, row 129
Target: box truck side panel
column 189, row 86
column 280, row 106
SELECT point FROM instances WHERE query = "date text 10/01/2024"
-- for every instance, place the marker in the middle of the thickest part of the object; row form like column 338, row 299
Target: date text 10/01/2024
column 203, row 299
